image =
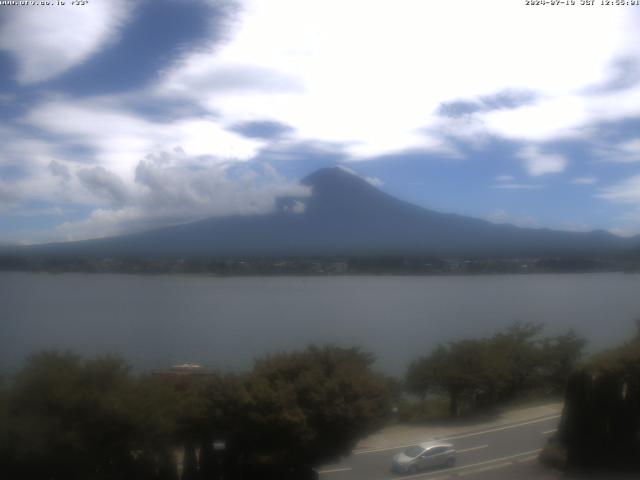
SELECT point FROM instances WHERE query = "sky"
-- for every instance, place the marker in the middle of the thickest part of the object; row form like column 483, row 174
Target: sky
column 118, row 116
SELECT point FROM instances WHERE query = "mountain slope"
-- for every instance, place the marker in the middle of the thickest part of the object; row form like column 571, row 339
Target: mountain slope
column 346, row 215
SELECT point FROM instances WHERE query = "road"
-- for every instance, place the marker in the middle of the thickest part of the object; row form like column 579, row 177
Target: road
column 507, row 451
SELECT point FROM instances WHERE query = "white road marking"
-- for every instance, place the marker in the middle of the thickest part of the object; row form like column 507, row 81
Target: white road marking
column 334, row 470
column 472, row 449
column 397, row 447
column 498, row 429
column 498, row 461
column 484, row 469
column 527, row 459
column 374, row 450
column 547, row 432
column 462, row 435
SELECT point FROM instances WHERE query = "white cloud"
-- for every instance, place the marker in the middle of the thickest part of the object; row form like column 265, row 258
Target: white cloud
column 377, row 91
column 48, row 41
column 624, row 232
column 627, row 191
column 39, row 212
column 622, row 152
column 364, row 78
column 45, row 173
column 173, row 188
column 498, row 216
column 504, row 178
column 367, row 94
column 344, row 168
column 9, row 196
column 630, row 150
column 296, row 207
column 584, row 181
column 550, row 118
column 374, row 181
column 120, row 138
column 6, row 98
column 59, row 170
column 517, row 186
column 576, row 227
column 538, row 163
column 170, row 185
column 566, row 115
column 501, row 216
column 105, row 184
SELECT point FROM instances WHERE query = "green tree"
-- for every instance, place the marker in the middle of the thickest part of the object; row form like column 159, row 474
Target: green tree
column 69, row 419
column 519, row 344
column 476, row 373
column 560, row 355
column 312, row 406
column 185, row 412
column 417, row 380
column 467, row 370
column 600, row 423
column 4, row 422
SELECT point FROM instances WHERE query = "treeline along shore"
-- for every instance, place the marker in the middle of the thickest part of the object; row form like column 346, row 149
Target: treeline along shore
column 338, row 265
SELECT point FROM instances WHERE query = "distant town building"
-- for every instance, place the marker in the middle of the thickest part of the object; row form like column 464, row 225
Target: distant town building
column 338, row 267
column 184, row 370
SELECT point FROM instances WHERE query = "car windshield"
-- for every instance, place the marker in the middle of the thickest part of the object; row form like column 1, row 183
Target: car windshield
column 413, row 451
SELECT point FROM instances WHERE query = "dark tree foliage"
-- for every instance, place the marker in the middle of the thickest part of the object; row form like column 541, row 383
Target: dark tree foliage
column 482, row 372
column 519, row 347
column 466, row 370
column 65, row 418
column 68, row 419
column 560, row 355
column 417, row 379
column 600, row 425
column 311, row 407
column 4, row 423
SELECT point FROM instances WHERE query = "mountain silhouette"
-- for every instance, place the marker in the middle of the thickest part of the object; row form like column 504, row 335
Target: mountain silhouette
column 345, row 215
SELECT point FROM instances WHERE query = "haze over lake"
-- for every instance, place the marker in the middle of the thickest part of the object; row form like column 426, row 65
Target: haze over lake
column 157, row 321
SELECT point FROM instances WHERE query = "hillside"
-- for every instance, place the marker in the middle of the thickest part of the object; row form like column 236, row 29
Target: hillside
column 345, row 215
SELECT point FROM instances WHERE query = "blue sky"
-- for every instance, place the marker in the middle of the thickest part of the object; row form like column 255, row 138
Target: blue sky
column 119, row 116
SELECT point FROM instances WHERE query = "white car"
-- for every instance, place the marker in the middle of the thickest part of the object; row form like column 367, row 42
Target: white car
column 423, row 456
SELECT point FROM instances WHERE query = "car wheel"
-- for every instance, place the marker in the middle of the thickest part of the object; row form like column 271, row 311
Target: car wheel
column 412, row 469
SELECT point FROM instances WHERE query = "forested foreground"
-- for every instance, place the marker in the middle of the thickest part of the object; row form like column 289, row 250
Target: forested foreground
column 65, row 417
column 476, row 374
column 68, row 418
column 600, row 426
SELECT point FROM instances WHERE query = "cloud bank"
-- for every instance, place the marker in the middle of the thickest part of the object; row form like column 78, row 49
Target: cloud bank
column 46, row 42
column 358, row 81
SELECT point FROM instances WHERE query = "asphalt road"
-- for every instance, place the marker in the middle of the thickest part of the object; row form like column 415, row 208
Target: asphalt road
column 508, row 451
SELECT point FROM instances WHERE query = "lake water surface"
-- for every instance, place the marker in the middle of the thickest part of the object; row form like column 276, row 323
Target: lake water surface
column 157, row 321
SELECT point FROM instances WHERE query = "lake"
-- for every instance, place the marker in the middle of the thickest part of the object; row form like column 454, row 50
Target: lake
column 158, row 321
